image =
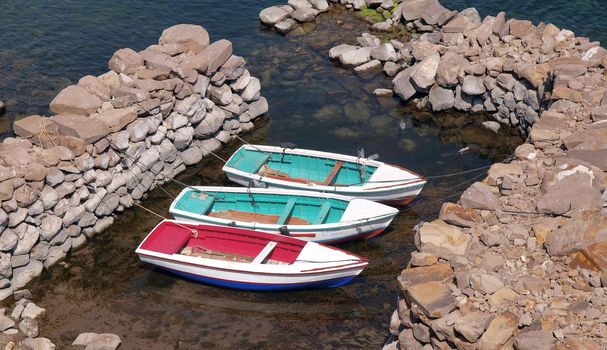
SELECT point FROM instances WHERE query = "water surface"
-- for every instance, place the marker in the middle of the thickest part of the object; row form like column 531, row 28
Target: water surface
column 313, row 103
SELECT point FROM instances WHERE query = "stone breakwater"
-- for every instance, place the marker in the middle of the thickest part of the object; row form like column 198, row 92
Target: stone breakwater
column 519, row 262
column 111, row 139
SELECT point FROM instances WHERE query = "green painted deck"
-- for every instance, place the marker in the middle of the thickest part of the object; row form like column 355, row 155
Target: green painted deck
column 315, row 169
column 313, row 210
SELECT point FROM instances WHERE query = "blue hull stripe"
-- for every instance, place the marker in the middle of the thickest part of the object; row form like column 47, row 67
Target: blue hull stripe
column 331, row 283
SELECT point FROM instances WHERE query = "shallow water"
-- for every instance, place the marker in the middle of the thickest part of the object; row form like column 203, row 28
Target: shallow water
column 313, row 103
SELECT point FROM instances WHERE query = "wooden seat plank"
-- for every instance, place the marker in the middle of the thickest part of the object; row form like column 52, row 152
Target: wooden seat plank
column 333, row 173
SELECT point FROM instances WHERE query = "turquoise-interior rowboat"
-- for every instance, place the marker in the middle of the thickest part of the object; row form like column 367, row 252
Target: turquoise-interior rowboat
column 312, row 216
column 270, row 166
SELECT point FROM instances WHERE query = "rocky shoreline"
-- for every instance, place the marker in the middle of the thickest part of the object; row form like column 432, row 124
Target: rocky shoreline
column 112, row 139
column 519, row 261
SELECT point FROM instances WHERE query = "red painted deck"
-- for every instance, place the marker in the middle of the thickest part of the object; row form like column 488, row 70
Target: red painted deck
column 170, row 238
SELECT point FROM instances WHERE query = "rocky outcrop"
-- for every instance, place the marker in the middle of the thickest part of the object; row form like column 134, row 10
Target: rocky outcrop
column 114, row 138
column 519, row 261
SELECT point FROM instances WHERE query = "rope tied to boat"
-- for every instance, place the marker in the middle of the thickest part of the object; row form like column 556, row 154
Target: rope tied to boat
column 192, row 230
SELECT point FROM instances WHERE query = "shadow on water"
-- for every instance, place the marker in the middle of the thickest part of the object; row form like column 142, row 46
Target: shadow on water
column 315, row 104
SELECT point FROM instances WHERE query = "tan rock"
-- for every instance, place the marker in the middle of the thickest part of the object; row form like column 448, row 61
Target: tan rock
column 216, row 55
column 520, row 28
column 433, row 298
column 479, row 196
column 95, row 86
column 473, row 325
column 125, row 61
column 87, row 129
column 34, row 125
column 75, row 100
column 192, row 37
column 498, row 170
column 455, row 214
column 535, row 74
column 439, row 272
column 35, row 172
column 501, row 328
column 563, row 92
column 116, row 119
column 439, row 238
column 6, row 190
column 424, row 73
column 503, row 298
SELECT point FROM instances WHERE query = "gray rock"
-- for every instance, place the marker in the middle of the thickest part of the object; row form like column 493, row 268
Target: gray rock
column 107, row 206
column 535, row 340
column 473, row 85
column 27, row 241
column 371, row 66
column 22, row 275
column 472, row 325
column 570, row 193
column 50, row 226
column 440, row 98
column 73, row 215
column 402, row 84
column 424, row 73
column 29, row 327
column 55, row 254
column 384, row 52
column 479, row 196
column 17, row 217
column 6, row 323
column 191, row 155
column 335, row 52
column 105, row 341
column 251, row 91
column 221, row 95
column 8, row 240
column 103, row 224
column 32, row 311
column 19, row 260
column 355, row 57
column 6, row 268
column 39, row 343
column 273, row 15
column 183, row 138
column 286, row 25
column 320, row 5
column 40, row 251
column 485, row 283
column 305, row 14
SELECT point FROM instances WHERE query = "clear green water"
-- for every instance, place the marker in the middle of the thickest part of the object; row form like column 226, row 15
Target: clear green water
column 313, row 103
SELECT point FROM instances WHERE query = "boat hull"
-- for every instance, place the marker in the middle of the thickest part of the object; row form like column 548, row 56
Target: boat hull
column 395, row 196
column 362, row 219
column 255, row 281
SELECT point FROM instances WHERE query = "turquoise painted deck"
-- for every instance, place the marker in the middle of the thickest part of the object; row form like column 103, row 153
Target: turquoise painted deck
column 299, row 166
column 312, row 209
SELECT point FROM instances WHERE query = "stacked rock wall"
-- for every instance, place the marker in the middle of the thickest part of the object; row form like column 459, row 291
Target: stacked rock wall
column 519, row 262
column 111, row 139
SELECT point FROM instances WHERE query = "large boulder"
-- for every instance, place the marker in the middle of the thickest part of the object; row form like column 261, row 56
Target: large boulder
column 499, row 331
column 586, row 226
column 402, row 84
column 355, row 57
column 433, row 298
column 217, row 54
column 191, row 37
column 440, row 98
column 274, row 14
column 437, row 272
column 75, row 99
column 570, row 193
column 85, row 128
column 441, row 239
column 125, row 61
column 424, row 73
column 34, row 125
